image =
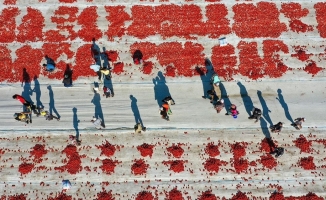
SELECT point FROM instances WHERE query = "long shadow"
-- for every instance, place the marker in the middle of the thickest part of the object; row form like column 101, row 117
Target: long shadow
column 135, row 110
column 67, row 79
column 161, row 90
column 75, row 122
column 98, row 113
column 105, row 58
column 264, row 128
column 246, row 98
column 225, row 96
column 265, row 111
column 96, row 52
column 284, row 105
column 108, row 83
column 27, row 89
column 37, row 91
column 205, row 76
column 51, row 103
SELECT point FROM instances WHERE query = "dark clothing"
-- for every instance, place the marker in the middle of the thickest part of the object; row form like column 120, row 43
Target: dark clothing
column 219, row 106
column 164, row 113
column 279, row 151
column 168, row 100
column 256, row 114
column 67, row 78
column 277, row 127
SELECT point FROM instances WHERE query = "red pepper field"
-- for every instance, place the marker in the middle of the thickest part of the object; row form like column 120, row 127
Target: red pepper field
column 274, row 59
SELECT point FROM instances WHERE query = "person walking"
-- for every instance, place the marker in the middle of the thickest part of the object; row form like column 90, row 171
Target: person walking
column 277, row 127
column 48, row 116
column 256, row 114
column 107, row 92
column 22, row 100
column 216, row 85
column 298, row 123
column 23, row 117
column 233, row 111
column 164, row 114
column 278, row 151
column 97, row 123
column 138, row 128
column 219, row 105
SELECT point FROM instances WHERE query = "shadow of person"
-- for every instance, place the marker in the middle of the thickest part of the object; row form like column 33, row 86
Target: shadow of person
column 37, row 91
column 75, row 122
column 108, row 83
column 284, row 105
column 105, row 58
column 51, row 103
column 264, row 128
column 135, row 110
column 265, row 111
column 225, row 96
column 246, row 98
column 161, row 90
column 96, row 52
column 98, row 113
column 137, row 57
column 205, row 76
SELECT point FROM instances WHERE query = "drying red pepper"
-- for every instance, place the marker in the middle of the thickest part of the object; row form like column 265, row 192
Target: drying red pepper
column 213, row 164
column 212, row 149
column 104, row 195
column 175, row 150
column 240, row 165
column 238, row 149
column 107, row 149
column 303, row 144
column 240, row 196
column 175, row 194
column 25, row 168
column 307, row 163
column 61, row 196
column 139, row 167
column 108, row 165
column 175, row 165
column 144, row 195
column 146, row 149
column 207, row 195
column 268, row 161
column 38, row 152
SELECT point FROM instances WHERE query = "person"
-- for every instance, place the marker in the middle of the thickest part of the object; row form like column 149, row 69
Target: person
column 74, row 140
column 168, row 100
column 256, row 114
column 167, row 107
column 97, row 69
column 277, row 127
column 67, row 78
column 106, row 72
column 23, row 117
column 97, row 122
column 47, row 115
column 107, row 92
column 164, row 114
column 233, row 111
column 49, row 67
column 298, row 123
column 138, row 57
column 138, row 128
column 22, row 100
column 209, row 95
column 219, row 105
column 279, row 151
column 216, row 85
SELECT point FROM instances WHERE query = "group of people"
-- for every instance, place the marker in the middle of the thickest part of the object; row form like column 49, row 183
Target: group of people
column 30, row 108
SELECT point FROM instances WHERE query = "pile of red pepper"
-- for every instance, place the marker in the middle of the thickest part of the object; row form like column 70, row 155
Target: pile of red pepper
column 175, row 194
column 61, row 196
column 175, row 150
column 212, row 149
column 238, row 149
column 240, row 164
column 8, row 23
column 268, row 161
column 301, row 53
column 144, row 195
column 213, row 164
column 139, row 167
column 25, row 168
column 257, row 20
column 175, row 165
column 277, row 196
column 224, row 61
column 108, row 165
column 303, row 144
column 307, row 163
column 38, row 152
column 240, row 196
column 146, row 149
column 147, row 67
column 73, row 165
column 107, row 149
column 116, row 26
column 312, row 68
column 118, row 68
column 207, row 195
column 104, row 195
column 320, row 10
column 87, row 19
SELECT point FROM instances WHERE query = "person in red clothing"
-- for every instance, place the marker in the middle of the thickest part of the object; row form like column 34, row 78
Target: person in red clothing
column 22, row 100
